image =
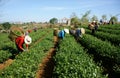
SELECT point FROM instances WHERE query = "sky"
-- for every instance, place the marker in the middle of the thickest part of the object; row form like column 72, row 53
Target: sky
column 44, row 10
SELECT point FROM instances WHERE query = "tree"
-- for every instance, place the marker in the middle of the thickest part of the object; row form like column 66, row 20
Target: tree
column 53, row 21
column 6, row 25
column 73, row 15
column 85, row 18
column 104, row 18
column 94, row 18
column 114, row 19
column 75, row 20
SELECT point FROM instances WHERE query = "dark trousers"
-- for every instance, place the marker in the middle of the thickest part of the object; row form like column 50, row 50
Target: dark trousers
column 93, row 31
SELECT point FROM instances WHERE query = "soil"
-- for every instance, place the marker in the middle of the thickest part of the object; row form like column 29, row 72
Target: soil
column 48, row 63
column 6, row 63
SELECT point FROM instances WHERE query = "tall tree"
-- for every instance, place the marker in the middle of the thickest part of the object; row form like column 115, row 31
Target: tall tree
column 53, row 21
column 6, row 25
column 114, row 18
column 85, row 18
column 94, row 18
column 73, row 15
column 104, row 17
column 75, row 20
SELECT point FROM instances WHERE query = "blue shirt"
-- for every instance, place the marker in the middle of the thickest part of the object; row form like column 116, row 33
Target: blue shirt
column 61, row 34
column 78, row 32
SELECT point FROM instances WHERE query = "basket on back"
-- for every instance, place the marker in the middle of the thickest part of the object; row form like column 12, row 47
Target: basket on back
column 15, row 32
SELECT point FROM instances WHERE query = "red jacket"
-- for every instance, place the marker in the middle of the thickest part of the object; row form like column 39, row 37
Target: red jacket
column 19, row 43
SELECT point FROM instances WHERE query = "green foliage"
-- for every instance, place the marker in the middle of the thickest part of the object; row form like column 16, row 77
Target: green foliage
column 75, row 21
column 114, row 19
column 4, row 55
column 113, row 27
column 6, row 25
column 53, row 21
column 94, row 18
column 73, row 62
column 100, row 47
column 111, row 31
column 85, row 18
column 113, row 38
column 71, row 58
column 6, row 47
column 26, row 64
column 4, row 39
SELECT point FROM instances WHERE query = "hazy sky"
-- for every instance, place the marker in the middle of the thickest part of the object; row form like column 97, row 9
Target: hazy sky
column 44, row 10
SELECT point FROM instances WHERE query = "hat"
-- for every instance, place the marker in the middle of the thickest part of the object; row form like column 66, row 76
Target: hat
column 55, row 28
column 66, row 30
column 82, row 30
column 78, row 28
column 28, row 39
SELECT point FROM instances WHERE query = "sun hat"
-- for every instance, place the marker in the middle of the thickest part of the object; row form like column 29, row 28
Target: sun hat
column 66, row 30
column 28, row 39
column 55, row 28
column 78, row 28
column 82, row 30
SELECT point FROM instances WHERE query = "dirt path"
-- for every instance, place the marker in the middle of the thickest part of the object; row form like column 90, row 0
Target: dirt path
column 46, row 67
column 6, row 63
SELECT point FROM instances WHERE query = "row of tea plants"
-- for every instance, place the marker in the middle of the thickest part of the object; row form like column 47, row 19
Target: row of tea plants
column 26, row 64
column 9, row 47
column 73, row 62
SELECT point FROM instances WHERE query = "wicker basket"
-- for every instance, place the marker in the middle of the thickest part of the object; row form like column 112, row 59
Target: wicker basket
column 15, row 32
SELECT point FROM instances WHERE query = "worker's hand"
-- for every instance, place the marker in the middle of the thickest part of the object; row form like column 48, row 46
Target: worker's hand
column 24, row 50
column 27, row 49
